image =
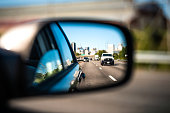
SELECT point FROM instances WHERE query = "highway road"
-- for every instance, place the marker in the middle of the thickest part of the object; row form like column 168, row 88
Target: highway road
column 97, row 75
column 147, row 92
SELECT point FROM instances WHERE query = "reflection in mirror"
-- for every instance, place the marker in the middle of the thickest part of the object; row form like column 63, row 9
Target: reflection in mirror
column 49, row 65
column 101, row 51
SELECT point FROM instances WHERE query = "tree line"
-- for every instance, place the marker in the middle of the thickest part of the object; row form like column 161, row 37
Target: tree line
column 121, row 55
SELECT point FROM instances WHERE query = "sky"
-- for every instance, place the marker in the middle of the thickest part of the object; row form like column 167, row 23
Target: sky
column 93, row 35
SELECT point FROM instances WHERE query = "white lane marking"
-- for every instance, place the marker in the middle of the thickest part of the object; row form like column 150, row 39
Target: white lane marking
column 112, row 78
column 100, row 68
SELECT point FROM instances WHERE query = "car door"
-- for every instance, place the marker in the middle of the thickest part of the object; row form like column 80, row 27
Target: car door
column 54, row 63
column 71, row 67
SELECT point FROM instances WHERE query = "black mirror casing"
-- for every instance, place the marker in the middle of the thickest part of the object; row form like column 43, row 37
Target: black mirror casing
column 12, row 82
column 16, row 81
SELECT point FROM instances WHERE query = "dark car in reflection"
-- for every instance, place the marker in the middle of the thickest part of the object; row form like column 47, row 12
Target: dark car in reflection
column 49, row 59
column 86, row 59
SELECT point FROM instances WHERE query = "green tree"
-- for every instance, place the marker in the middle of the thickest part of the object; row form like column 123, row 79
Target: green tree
column 99, row 52
column 122, row 53
column 150, row 38
column 116, row 56
column 77, row 54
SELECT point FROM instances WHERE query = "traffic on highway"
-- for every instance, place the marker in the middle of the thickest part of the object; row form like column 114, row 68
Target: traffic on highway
column 104, row 62
column 98, row 75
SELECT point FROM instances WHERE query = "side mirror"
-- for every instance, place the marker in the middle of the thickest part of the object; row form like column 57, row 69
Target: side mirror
column 55, row 51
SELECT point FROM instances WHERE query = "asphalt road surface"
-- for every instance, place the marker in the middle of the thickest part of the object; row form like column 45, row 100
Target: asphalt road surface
column 97, row 75
column 147, row 92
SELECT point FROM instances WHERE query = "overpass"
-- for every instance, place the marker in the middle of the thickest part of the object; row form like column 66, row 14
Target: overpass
column 120, row 10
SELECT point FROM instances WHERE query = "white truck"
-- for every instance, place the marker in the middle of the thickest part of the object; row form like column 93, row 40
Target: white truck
column 96, row 57
column 107, row 58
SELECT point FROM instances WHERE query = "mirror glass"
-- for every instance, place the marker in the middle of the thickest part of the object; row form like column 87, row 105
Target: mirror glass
column 75, row 56
column 101, row 51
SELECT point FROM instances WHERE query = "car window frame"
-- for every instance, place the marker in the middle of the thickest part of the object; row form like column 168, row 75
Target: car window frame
column 68, row 43
column 49, row 44
column 49, row 82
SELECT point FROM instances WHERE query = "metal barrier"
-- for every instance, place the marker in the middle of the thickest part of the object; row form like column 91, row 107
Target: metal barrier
column 152, row 57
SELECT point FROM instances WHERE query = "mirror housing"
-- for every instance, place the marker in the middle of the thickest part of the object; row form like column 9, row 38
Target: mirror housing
column 12, row 82
column 18, row 81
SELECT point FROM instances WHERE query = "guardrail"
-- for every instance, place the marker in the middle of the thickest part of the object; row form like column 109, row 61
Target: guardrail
column 152, row 57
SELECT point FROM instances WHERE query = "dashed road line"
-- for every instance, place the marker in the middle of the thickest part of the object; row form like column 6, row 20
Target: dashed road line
column 110, row 76
column 100, row 68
